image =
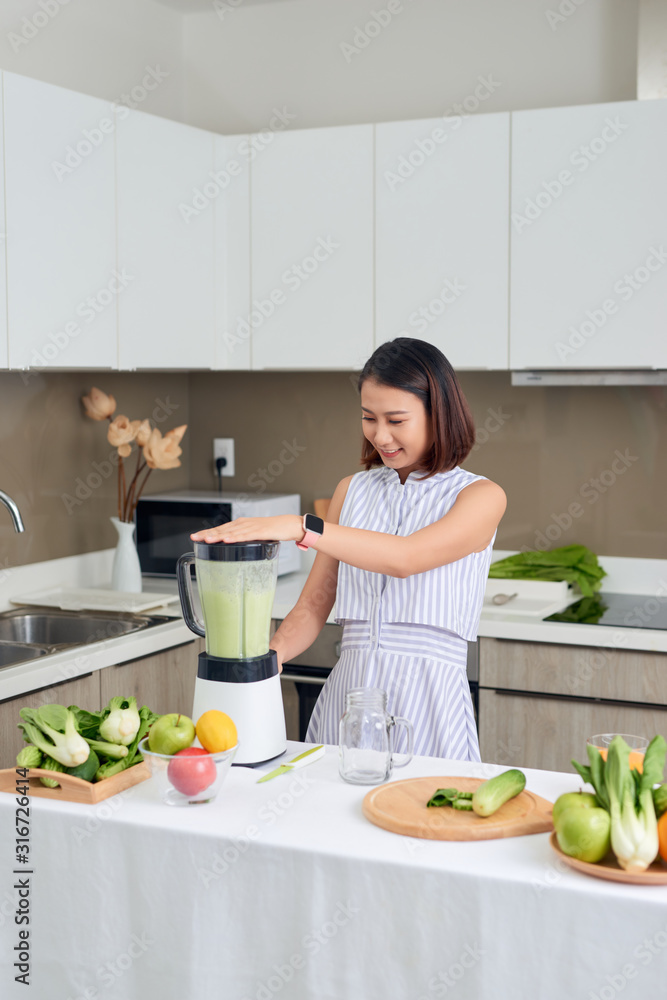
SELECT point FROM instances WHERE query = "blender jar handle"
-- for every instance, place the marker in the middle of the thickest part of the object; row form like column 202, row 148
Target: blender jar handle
column 184, row 576
column 397, row 721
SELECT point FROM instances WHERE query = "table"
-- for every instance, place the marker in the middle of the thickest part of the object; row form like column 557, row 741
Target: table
column 283, row 891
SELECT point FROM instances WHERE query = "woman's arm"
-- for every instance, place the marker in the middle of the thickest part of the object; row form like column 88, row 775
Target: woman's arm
column 468, row 527
column 303, row 624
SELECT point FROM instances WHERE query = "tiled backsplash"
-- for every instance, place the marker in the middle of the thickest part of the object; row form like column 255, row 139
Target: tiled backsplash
column 578, row 464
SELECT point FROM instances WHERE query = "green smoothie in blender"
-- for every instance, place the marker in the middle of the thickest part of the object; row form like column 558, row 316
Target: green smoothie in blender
column 237, row 601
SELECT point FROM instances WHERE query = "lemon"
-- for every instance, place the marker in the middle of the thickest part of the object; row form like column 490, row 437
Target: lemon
column 216, row 731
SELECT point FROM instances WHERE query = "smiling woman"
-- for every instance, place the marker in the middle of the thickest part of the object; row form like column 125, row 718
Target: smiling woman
column 404, row 553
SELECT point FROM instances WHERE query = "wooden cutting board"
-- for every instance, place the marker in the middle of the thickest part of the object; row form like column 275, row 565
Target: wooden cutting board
column 401, row 807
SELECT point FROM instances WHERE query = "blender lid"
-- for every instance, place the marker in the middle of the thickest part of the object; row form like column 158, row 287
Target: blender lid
column 236, row 551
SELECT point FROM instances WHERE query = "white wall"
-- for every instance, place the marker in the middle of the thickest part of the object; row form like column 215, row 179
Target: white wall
column 99, row 47
column 257, row 56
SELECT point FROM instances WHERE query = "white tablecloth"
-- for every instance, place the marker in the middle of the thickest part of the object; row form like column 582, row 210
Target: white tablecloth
column 283, row 890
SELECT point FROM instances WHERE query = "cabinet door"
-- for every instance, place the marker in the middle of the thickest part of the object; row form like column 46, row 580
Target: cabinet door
column 165, row 682
column 166, row 212
column 547, row 733
column 442, row 215
column 4, row 345
column 312, row 249
column 63, row 282
column 232, row 252
column 83, row 691
column 589, row 237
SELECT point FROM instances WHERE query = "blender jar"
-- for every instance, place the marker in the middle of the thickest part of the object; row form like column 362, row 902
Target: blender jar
column 236, row 583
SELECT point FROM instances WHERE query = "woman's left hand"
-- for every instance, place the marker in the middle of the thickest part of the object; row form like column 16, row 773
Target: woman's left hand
column 284, row 528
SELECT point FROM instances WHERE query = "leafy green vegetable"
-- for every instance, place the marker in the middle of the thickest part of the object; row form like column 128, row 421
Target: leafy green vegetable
column 660, row 800
column 49, row 764
column 634, row 827
column 574, row 563
column 443, row 797
column 29, row 757
column 147, row 718
column 122, row 722
column 465, row 805
column 587, row 611
column 113, row 750
column 86, row 770
column 52, row 729
column 88, row 723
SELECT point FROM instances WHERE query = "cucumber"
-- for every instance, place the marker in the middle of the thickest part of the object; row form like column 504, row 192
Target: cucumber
column 495, row 792
column 87, row 769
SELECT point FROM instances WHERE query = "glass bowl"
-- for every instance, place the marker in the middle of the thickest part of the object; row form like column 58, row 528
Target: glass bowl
column 638, row 746
column 188, row 780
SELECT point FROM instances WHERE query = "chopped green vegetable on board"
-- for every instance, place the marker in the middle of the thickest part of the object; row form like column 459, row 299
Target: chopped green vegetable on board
column 443, row 797
column 465, row 805
column 573, row 563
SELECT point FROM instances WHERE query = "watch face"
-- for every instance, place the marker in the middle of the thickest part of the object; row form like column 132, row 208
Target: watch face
column 314, row 523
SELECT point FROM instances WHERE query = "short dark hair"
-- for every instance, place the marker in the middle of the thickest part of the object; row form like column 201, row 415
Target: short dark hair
column 417, row 367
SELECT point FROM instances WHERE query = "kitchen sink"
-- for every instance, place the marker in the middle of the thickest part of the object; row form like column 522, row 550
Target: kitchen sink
column 16, row 652
column 26, row 633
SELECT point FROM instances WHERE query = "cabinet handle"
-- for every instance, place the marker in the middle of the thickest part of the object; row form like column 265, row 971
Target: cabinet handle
column 338, row 648
column 320, row 681
column 548, row 696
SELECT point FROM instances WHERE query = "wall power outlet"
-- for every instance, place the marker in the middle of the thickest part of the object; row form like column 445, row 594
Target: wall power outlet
column 224, row 448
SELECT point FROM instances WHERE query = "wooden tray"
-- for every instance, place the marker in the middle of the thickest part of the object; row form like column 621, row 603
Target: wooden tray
column 401, row 808
column 609, row 868
column 74, row 789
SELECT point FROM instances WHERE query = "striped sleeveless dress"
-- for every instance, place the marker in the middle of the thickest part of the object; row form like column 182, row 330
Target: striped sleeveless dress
column 407, row 636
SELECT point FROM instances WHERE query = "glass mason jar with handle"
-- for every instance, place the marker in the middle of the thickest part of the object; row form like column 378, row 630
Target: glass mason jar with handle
column 366, row 732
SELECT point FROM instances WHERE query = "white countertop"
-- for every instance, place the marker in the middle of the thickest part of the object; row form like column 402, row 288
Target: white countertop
column 647, row 578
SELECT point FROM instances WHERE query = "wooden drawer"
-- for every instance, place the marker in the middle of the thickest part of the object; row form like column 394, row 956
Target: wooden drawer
column 580, row 671
column 546, row 733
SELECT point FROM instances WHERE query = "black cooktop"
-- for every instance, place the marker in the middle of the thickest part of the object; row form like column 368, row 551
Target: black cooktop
column 624, row 610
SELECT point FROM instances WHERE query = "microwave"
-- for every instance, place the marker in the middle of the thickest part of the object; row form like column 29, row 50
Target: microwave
column 165, row 521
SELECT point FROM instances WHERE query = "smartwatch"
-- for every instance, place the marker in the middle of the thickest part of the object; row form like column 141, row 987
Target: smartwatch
column 313, row 528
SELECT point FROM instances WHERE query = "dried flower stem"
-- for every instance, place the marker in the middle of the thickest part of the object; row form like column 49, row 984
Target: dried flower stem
column 139, row 492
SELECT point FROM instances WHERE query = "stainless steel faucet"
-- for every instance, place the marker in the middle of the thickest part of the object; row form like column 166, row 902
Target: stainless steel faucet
column 13, row 510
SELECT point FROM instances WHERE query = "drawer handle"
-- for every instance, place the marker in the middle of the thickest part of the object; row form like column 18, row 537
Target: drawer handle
column 338, row 649
column 320, row 681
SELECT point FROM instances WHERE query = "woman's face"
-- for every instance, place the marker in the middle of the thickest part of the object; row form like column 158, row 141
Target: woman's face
column 397, row 425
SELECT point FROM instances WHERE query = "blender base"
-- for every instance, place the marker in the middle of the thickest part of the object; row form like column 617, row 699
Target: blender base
column 255, row 706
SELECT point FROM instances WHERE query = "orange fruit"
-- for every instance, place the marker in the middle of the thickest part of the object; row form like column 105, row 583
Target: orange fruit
column 216, row 731
column 662, row 836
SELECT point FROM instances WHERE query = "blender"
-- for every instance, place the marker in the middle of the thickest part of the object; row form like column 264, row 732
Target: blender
column 238, row 674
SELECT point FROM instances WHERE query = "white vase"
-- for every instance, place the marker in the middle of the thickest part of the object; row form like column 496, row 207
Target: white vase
column 126, row 573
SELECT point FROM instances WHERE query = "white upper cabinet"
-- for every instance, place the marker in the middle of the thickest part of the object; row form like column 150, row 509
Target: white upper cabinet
column 232, row 252
column 312, row 249
column 589, row 237
column 442, row 216
column 166, row 216
column 4, row 346
column 62, row 279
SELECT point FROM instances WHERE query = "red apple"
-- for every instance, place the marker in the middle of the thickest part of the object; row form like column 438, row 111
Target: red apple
column 189, row 773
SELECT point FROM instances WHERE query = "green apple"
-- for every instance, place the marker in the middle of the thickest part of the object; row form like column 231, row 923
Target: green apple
column 571, row 800
column 584, row 833
column 171, row 733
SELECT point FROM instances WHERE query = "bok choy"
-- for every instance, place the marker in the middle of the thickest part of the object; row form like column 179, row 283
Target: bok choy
column 52, row 729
